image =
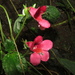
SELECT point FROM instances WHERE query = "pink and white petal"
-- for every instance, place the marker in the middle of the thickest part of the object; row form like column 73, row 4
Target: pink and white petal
column 45, row 45
column 45, row 56
column 44, row 23
column 38, row 39
column 32, row 11
column 35, row 59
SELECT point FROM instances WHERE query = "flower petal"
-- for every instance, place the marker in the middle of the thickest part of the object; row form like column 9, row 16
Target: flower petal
column 29, row 44
column 38, row 39
column 32, row 11
column 42, row 28
column 34, row 14
column 44, row 56
column 45, row 45
column 42, row 9
column 35, row 59
column 37, row 12
column 44, row 23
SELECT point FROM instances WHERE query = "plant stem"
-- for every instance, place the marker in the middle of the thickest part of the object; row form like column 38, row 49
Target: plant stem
column 19, row 56
column 26, row 53
column 0, row 51
column 50, row 2
column 47, row 69
column 14, row 7
column 13, row 37
column 71, row 5
column 23, row 22
column 21, row 28
column 1, row 32
column 9, row 22
column 58, row 24
column 34, row 68
column 55, row 56
column 31, row 31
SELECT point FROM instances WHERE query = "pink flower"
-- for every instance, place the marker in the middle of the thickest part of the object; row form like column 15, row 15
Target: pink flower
column 36, row 13
column 40, row 49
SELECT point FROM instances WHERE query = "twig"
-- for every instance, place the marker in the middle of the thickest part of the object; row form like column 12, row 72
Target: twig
column 14, row 7
column 47, row 69
column 63, row 22
column 71, row 5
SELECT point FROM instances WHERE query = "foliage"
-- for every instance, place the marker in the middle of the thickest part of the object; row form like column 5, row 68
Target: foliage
column 18, row 24
column 9, row 45
column 15, row 62
column 52, row 14
column 70, row 65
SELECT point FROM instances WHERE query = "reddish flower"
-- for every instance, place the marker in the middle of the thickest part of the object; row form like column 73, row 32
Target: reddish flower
column 36, row 13
column 40, row 49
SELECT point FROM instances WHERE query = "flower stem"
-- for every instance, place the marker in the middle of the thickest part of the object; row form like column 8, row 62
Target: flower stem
column 47, row 69
column 55, row 56
column 23, row 22
column 14, row 7
column 1, row 32
column 21, row 28
column 34, row 68
column 9, row 22
column 50, row 2
column 1, row 52
column 19, row 57
column 71, row 5
column 63, row 22
column 10, row 27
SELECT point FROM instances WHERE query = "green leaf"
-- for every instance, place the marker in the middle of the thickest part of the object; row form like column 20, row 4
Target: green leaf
column 18, row 24
column 12, row 65
column 70, row 65
column 9, row 45
column 52, row 14
column 1, row 55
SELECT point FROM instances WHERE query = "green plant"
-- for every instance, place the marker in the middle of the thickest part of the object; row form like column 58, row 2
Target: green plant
column 13, row 61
